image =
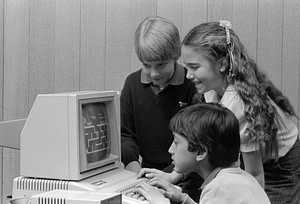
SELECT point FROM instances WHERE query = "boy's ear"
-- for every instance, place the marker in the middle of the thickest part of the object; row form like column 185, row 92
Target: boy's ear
column 201, row 155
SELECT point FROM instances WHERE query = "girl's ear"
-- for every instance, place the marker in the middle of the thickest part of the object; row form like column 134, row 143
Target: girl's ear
column 201, row 155
column 222, row 69
column 223, row 65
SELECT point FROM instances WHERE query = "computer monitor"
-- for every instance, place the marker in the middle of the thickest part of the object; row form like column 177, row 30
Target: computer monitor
column 71, row 136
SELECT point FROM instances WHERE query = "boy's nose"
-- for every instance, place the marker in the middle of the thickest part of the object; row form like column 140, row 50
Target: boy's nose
column 171, row 148
column 154, row 73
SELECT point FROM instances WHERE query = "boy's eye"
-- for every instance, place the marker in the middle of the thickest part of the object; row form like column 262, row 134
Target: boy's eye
column 146, row 65
column 162, row 65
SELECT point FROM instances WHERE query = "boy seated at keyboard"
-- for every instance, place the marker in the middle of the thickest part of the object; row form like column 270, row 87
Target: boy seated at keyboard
column 206, row 141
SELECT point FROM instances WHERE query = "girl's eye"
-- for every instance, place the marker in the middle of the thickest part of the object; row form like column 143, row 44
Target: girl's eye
column 191, row 67
column 194, row 67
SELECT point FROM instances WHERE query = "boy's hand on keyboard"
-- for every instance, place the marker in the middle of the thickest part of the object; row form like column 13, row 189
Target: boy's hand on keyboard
column 151, row 193
column 152, row 173
column 169, row 190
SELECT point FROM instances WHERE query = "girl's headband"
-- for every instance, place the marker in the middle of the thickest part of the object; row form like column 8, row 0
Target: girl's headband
column 227, row 25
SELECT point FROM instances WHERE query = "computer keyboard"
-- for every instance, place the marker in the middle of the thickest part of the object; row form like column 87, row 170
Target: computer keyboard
column 129, row 191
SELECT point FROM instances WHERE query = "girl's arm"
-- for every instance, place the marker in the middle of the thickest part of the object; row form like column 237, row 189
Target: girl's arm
column 252, row 158
column 254, row 166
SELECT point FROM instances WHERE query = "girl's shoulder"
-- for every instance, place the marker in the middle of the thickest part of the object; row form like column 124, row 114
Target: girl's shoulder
column 232, row 100
column 231, row 96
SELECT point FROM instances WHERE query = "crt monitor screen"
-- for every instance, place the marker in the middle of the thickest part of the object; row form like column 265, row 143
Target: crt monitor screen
column 71, row 136
column 95, row 133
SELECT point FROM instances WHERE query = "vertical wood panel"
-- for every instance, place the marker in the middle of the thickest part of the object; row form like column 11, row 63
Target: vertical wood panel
column 291, row 52
column 11, row 169
column 171, row 9
column 118, row 45
column 16, row 42
column 42, row 47
column 92, row 47
column 244, row 24
column 269, row 53
column 173, row 13
column 1, row 176
column 1, row 59
column 194, row 12
column 219, row 9
column 140, row 9
column 67, row 45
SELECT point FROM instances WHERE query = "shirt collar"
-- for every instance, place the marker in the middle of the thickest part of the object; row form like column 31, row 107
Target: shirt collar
column 177, row 78
column 211, row 176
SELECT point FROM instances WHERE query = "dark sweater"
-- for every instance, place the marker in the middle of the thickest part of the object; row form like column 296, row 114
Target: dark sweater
column 145, row 119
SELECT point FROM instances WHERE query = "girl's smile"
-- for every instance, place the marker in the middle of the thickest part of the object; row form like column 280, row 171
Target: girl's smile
column 205, row 75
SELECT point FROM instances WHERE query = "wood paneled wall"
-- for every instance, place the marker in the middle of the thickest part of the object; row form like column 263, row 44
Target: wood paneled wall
column 49, row 46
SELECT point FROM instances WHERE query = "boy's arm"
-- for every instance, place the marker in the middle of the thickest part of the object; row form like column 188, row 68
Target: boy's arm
column 133, row 166
column 150, row 173
column 129, row 147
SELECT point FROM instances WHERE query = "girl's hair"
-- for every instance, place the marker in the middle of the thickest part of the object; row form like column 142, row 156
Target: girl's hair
column 254, row 88
column 211, row 128
column 157, row 39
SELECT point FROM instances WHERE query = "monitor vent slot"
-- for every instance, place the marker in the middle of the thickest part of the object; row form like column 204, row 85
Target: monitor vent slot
column 51, row 200
column 31, row 184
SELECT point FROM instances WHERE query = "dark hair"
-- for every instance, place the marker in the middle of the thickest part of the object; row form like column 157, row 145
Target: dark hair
column 209, row 127
column 256, row 91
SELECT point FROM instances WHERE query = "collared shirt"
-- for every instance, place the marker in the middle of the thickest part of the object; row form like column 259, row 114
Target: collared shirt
column 176, row 79
column 211, row 176
column 232, row 186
